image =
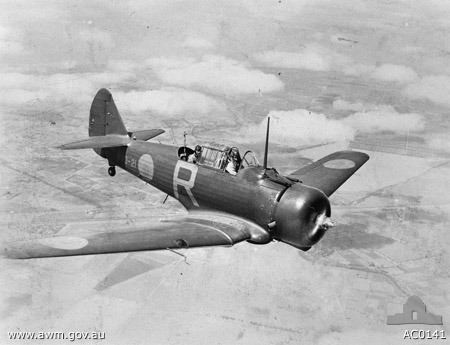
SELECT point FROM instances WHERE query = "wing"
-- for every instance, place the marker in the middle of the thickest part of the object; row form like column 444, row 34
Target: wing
column 196, row 230
column 330, row 172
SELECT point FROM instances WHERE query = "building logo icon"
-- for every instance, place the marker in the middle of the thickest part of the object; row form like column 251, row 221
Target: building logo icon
column 414, row 312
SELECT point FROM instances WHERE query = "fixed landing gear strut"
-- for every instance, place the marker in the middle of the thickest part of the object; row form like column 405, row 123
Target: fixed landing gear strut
column 112, row 171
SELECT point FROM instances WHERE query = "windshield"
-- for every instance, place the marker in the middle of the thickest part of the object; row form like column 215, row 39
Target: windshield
column 249, row 160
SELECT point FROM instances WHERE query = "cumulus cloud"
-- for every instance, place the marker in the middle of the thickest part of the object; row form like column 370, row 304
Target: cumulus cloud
column 376, row 121
column 394, row 73
column 313, row 57
column 435, row 88
column 309, row 59
column 342, row 104
column 171, row 101
column 301, row 126
column 215, row 74
column 18, row 88
column 369, row 117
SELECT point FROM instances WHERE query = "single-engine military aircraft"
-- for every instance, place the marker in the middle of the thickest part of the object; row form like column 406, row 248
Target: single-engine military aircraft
column 253, row 203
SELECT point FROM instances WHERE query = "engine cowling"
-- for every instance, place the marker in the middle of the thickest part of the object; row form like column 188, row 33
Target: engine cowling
column 302, row 216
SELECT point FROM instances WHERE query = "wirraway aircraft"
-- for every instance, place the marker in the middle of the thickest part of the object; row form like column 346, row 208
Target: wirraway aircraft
column 253, row 203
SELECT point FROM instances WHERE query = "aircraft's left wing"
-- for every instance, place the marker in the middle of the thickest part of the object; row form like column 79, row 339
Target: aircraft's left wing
column 330, row 172
column 198, row 229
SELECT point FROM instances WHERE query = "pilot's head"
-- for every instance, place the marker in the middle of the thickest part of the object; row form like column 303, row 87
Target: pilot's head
column 198, row 150
column 234, row 153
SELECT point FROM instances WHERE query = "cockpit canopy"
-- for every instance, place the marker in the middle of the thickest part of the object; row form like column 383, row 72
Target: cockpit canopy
column 216, row 156
column 249, row 160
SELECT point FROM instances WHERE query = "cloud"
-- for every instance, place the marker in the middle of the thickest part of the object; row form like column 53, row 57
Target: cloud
column 309, row 59
column 394, row 73
column 215, row 74
column 301, row 126
column 369, row 117
column 313, row 57
column 435, row 88
column 377, row 121
column 172, row 101
column 18, row 88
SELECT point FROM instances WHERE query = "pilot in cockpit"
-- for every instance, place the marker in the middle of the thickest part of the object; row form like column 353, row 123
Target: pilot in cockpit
column 234, row 160
column 194, row 157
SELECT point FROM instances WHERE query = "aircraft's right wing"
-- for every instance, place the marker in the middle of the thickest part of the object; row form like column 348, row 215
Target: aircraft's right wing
column 198, row 229
column 330, row 172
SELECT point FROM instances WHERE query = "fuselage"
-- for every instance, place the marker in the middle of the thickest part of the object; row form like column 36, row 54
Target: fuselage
column 252, row 193
column 288, row 210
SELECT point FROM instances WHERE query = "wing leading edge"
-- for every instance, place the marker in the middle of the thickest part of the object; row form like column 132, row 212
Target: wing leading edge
column 196, row 230
column 330, row 172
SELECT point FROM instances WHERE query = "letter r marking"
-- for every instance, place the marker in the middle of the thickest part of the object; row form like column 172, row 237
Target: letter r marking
column 187, row 184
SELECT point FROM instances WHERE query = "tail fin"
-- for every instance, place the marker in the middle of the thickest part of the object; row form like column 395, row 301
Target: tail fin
column 106, row 128
column 104, row 118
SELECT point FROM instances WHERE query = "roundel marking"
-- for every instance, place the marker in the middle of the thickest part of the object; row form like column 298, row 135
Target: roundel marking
column 339, row 164
column 64, row 242
column 145, row 166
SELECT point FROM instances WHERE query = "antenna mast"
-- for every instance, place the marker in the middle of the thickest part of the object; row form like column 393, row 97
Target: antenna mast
column 267, row 145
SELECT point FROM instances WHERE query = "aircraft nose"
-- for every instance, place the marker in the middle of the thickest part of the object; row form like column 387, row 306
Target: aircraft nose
column 302, row 216
column 319, row 222
column 326, row 223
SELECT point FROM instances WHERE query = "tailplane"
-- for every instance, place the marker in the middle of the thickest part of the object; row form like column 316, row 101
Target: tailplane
column 106, row 128
column 107, row 133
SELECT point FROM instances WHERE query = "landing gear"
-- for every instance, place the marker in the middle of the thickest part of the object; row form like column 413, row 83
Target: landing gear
column 112, row 171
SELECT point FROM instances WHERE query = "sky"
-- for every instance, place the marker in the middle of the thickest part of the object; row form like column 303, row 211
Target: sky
column 198, row 60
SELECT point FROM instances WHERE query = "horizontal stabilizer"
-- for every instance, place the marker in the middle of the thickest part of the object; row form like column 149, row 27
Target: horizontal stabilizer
column 110, row 140
column 146, row 134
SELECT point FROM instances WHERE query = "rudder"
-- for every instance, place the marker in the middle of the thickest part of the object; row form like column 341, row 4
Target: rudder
column 104, row 117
